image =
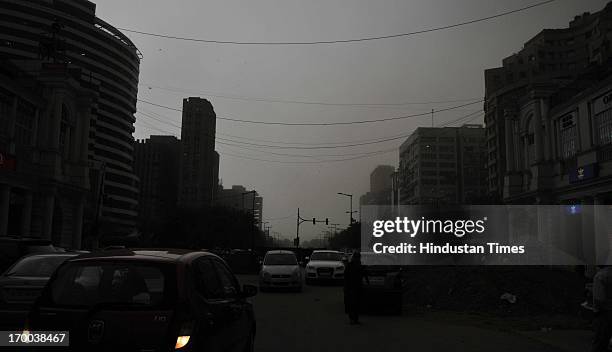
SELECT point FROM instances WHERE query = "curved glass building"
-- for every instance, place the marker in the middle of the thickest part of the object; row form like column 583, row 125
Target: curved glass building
column 68, row 31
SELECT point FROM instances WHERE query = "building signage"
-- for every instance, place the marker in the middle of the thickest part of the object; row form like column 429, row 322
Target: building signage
column 7, row 162
column 602, row 103
column 583, row 173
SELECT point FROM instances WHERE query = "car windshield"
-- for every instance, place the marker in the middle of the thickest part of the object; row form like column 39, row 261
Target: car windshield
column 132, row 284
column 280, row 259
column 37, row 266
column 327, row 256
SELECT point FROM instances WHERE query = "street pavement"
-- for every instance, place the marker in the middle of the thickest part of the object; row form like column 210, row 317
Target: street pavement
column 314, row 320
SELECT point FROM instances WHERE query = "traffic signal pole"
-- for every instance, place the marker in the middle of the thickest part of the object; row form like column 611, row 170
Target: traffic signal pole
column 299, row 221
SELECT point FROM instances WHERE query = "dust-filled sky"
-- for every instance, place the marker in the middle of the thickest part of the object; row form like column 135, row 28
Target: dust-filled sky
column 255, row 82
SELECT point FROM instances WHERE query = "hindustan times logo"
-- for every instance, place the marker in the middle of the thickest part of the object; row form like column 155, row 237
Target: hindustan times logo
column 458, row 228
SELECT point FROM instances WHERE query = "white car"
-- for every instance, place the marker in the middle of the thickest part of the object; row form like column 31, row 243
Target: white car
column 325, row 265
column 280, row 269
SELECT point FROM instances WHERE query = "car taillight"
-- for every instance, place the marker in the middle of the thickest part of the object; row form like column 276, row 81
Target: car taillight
column 184, row 335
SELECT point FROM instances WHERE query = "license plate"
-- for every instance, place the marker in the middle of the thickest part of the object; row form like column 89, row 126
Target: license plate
column 377, row 281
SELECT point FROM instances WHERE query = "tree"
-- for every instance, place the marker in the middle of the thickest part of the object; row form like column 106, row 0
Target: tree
column 209, row 228
column 347, row 238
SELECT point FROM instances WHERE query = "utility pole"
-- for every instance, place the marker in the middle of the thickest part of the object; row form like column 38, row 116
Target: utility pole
column 432, row 118
column 351, row 206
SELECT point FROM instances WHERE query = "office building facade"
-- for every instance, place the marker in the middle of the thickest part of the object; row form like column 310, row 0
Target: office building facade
column 199, row 168
column 157, row 167
column 239, row 198
column 443, row 165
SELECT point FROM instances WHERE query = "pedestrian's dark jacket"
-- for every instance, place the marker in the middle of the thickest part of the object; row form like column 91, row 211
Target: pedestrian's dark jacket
column 353, row 276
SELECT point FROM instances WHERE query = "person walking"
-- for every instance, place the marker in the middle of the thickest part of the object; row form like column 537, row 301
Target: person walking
column 353, row 287
column 602, row 306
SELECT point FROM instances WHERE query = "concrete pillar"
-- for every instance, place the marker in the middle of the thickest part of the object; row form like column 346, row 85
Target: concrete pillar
column 5, row 199
column 26, row 214
column 538, row 133
column 510, row 155
column 11, row 126
column 548, row 133
column 55, row 122
column 48, row 205
column 78, row 223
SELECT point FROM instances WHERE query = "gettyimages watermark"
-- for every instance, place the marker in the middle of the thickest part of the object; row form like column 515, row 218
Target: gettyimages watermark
column 487, row 235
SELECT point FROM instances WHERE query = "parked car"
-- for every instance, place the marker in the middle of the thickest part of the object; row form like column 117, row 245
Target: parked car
column 147, row 300
column 23, row 282
column 243, row 261
column 280, row 269
column 383, row 291
column 13, row 248
column 325, row 265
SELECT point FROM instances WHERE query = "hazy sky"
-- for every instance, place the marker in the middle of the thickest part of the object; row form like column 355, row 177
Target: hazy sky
column 438, row 66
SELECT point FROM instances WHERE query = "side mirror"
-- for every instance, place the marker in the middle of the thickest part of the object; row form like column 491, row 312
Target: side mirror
column 301, row 263
column 306, row 259
column 249, row 291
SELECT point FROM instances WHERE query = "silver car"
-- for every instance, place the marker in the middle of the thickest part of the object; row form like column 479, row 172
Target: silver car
column 325, row 265
column 280, row 269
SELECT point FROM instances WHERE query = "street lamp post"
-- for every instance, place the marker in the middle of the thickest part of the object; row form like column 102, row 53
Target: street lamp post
column 351, row 206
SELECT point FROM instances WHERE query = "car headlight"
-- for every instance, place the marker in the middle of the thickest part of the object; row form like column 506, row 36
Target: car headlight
column 340, row 268
column 310, row 268
column 265, row 274
column 295, row 273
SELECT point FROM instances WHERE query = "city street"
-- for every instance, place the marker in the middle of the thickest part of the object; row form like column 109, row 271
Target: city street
column 314, row 320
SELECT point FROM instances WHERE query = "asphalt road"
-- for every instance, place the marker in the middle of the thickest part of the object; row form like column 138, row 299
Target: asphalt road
column 314, row 320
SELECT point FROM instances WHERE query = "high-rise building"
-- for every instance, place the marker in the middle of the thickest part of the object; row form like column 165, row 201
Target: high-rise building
column 380, row 186
column 443, row 165
column 551, row 59
column 199, row 169
column 239, row 198
column 157, row 166
column 68, row 34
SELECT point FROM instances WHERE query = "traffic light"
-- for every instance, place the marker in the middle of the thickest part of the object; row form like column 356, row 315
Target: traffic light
column 326, row 221
column 314, row 221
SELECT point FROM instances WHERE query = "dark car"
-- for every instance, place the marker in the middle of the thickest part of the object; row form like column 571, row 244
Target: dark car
column 384, row 289
column 23, row 282
column 243, row 261
column 13, row 248
column 147, row 300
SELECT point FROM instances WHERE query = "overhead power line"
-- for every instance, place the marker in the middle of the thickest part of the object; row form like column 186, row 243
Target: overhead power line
column 340, row 41
column 323, row 123
column 304, row 102
column 222, row 140
column 307, row 162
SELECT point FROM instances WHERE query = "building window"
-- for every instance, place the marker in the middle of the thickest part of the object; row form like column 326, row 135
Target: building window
column 568, row 136
column 603, row 125
column 24, row 123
